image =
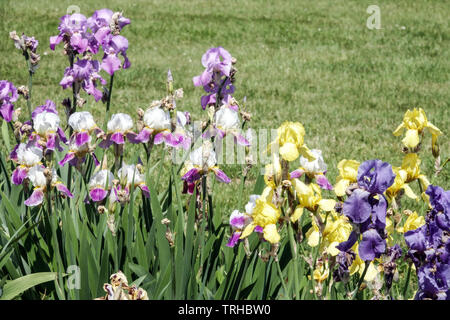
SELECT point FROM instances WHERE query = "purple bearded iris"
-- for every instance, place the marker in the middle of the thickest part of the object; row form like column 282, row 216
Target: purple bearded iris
column 366, row 207
column 157, row 125
column 227, row 122
column 42, row 178
column 119, row 128
column 85, row 74
column 238, row 221
column 83, row 125
column 47, row 131
column 8, row 95
column 429, row 248
column 216, row 76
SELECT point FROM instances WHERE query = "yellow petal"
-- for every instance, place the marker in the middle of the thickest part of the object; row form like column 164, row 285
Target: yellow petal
column 289, row 151
column 348, row 169
column 327, row 204
column 433, row 129
column 247, row 231
column 409, row 192
column 424, row 181
column 304, row 151
column 411, row 139
column 332, row 250
column 399, row 130
column 297, row 214
column 271, row 234
column 371, row 272
column 341, row 186
column 313, row 237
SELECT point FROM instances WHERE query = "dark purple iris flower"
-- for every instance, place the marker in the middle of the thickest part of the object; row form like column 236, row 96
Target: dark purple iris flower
column 8, row 95
column 375, row 176
column 372, row 245
column 366, row 207
column 429, row 248
column 344, row 259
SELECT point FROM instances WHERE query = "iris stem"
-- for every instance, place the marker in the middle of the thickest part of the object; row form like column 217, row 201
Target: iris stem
column 30, row 84
column 108, row 102
column 408, row 275
column 361, row 279
column 294, row 258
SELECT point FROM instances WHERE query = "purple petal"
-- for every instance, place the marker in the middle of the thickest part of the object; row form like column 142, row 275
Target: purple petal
column 54, row 41
column 191, row 176
column 221, row 176
column 240, row 139
column 67, row 158
column 375, row 176
column 62, row 135
column 51, row 141
column 297, row 173
column 171, row 140
column 35, row 199
column 259, row 229
column 98, row 194
column 132, row 138
column 105, row 144
column 234, row 239
column 110, row 64
column 82, row 138
column 415, row 239
column 144, row 135
column 323, row 182
column 13, row 154
column 97, row 163
column 118, row 138
column 6, row 111
column 18, row 175
column 357, row 206
column 371, row 246
column 347, row 245
column 62, row 188
column 159, row 138
column 145, row 190
column 379, row 207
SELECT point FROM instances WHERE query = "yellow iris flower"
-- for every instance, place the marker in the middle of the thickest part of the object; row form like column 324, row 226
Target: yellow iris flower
column 272, row 173
column 310, row 197
column 401, row 176
column 265, row 214
column 411, row 165
column 348, row 171
column 415, row 122
column 321, row 272
column 337, row 230
column 358, row 265
column 413, row 222
column 290, row 140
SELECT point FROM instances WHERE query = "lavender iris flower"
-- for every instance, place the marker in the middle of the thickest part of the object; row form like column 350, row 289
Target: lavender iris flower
column 73, row 31
column 85, row 73
column 215, row 77
column 8, row 95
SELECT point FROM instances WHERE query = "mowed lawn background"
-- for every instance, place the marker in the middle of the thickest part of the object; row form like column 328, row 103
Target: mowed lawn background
column 310, row 61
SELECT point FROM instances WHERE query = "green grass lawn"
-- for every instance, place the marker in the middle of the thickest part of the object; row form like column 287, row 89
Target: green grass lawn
column 310, row 61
